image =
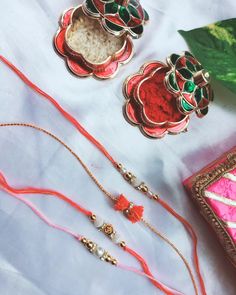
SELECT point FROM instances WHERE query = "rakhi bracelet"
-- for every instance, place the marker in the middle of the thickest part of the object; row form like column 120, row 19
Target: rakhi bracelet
column 91, row 246
column 132, row 212
column 102, row 149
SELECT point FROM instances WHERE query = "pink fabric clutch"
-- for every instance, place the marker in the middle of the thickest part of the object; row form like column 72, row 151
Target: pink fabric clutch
column 214, row 191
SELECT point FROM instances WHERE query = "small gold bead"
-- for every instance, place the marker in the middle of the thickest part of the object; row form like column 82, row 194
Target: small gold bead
column 108, row 258
column 119, row 166
column 122, row 244
column 155, row 197
column 131, row 205
column 90, row 245
column 126, row 211
column 93, row 217
column 114, row 262
column 128, row 176
column 84, row 240
column 144, row 188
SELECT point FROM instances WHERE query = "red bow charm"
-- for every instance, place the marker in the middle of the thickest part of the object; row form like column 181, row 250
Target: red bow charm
column 132, row 212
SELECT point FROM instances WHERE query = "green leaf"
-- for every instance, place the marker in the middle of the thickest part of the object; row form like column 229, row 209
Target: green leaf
column 215, row 47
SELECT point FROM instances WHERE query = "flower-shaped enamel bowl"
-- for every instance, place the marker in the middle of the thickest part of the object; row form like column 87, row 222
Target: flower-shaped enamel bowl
column 110, row 27
column 82, row 65
column 118, row 16
column 159, row 99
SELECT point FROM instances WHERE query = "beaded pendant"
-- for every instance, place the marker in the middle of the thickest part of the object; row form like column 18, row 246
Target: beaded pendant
column 95, row 38
column 161, row 97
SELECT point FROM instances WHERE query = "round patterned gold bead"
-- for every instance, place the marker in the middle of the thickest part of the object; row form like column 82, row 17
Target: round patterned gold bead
column 108, row 229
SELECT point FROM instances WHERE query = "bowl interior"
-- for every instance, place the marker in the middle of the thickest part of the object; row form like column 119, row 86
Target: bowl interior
column 87, row 37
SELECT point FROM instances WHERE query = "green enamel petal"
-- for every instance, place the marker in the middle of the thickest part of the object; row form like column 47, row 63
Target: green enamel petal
column 112, row 26
column 124, row 14
column 173, row 58
column 186, row 106
column 133, row 11
column 205, row 93
column 111, row 8
column 172, row 82
column 146, row 15
column 186, row 74
column 190, row 66
column 198, row 67
column 198, row 95
column 134, row 3
column 138, row 30
column 189, row 86
column 204, row 111
column 215, row 47
column 90, row 6
column 187, row 53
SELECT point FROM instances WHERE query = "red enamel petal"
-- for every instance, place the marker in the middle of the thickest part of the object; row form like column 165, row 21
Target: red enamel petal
column 65, row 20
column 140, row 10
column 181, row 63
column 193, row 60
column 78, row 68
column 116, row 20
column 127, row 52
column 107, row 72
column 157, row 132
column 59, row 41
column 204, row 103
column 190, row 99
column 136, row 79
column 134, row 22
column 99, row 5
column 180, row 127
column 180, row 81
column 150, row 67
column 131, row 112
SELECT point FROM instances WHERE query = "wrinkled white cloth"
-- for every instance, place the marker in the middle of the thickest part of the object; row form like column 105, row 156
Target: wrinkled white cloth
column 38, row 260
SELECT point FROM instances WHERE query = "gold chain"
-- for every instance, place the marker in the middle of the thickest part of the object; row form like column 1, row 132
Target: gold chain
column 109, row 195
column 153, row 229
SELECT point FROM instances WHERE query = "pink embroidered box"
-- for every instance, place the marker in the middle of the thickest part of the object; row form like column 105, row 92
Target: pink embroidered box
column 214, row 191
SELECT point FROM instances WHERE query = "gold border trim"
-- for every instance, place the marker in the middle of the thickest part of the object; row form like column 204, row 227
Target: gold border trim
column 199, row 184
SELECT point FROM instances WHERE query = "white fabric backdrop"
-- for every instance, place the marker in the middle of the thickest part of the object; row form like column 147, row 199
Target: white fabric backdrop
column 37, row 260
